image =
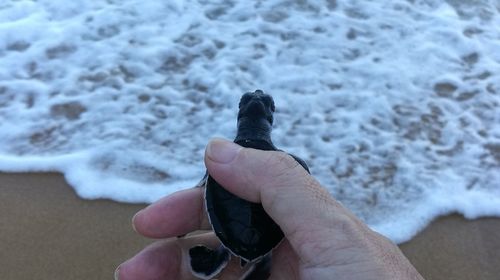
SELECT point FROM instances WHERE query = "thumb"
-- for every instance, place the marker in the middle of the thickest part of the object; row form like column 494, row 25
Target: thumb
column 304, row 210
column 249, row 172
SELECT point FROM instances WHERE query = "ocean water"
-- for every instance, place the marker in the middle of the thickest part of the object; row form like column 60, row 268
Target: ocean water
column 393, row 104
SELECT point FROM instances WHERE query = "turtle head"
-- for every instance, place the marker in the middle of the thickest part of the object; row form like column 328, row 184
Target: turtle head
column 256, row 105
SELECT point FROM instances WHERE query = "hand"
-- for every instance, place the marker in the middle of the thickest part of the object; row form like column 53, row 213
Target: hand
column 323, row 240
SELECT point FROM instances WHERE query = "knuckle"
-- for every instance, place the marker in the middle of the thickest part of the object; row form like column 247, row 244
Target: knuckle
column 282, row 163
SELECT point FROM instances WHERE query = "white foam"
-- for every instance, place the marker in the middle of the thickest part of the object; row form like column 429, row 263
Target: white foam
column 394, row 105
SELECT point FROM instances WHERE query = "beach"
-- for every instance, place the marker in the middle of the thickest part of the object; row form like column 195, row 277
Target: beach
column 48, row 232
column 394, row 106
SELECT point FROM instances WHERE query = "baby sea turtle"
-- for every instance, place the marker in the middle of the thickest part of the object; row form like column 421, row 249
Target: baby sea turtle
column 243, row 227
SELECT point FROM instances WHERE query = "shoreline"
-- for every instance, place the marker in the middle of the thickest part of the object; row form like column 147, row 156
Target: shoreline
column 48, row 232
column 453, row 247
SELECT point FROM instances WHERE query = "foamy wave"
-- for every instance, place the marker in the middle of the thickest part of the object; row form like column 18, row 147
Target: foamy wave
column 393, row 105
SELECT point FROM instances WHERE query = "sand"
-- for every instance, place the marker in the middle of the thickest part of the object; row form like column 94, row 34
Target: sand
column 47, row 232
column 455, row 248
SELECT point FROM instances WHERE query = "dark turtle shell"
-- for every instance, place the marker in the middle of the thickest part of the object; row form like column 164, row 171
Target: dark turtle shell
column 243, row 227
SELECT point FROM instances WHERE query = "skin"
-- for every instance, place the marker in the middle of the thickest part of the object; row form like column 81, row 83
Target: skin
column 323, row 239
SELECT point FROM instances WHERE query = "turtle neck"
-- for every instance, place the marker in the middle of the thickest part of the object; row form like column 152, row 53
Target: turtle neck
column 253, row 129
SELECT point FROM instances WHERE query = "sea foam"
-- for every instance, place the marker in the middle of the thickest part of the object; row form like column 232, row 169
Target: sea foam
column 393, row 104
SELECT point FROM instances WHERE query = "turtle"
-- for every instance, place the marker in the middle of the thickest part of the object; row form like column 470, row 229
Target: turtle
column 244, row 228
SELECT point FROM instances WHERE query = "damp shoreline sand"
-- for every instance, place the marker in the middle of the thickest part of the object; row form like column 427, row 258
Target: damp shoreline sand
column 48, row 232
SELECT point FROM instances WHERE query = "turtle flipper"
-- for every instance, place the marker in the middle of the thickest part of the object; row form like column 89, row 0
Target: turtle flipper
column 301, row 162
column 206, row 263
column 203, row 181
column 260, row 270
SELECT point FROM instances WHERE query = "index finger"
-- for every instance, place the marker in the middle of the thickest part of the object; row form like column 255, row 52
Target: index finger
column 177, row 214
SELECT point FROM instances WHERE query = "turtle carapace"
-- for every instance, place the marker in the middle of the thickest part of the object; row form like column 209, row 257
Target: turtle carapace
column 243, row 227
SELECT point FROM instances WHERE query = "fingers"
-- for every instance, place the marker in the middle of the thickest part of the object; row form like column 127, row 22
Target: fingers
column 168, row 259
column 162, row 260
column 248, row 172
column 174, row 215
column 157, row 261
column 305, row 211
column 273, row 178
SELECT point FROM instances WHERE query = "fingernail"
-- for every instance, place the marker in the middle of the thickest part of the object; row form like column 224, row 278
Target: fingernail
column 133, row 219
column 222, row 151
column 117, row 271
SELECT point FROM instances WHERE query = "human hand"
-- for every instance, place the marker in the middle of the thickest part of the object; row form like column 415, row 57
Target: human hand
column 323, row 240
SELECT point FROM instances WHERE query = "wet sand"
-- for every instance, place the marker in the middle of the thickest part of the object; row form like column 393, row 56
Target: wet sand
column 47, row 232
column 457, row 249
